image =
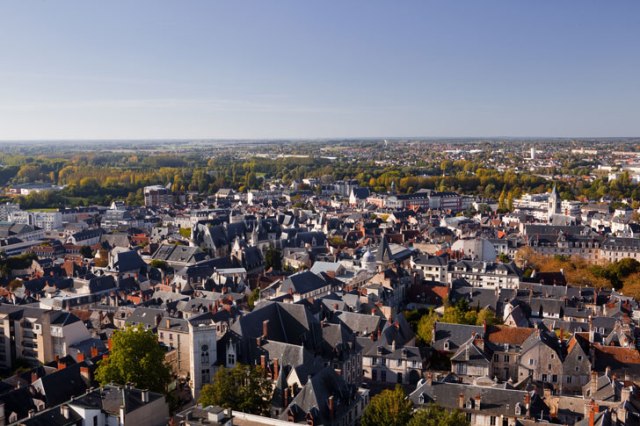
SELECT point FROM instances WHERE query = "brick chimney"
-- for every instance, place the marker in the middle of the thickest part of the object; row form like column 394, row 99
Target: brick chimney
column 478, row 402
column 265, row 329
column 276, row 369
column 263, row 362
column 461, row 400
column 429, row 380
column 86, row 373
column 331, row 408
column 94, row 351
column 61, row 364
column 80, row 357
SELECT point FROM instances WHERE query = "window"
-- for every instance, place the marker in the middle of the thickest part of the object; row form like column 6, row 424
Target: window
column 374, row 360
column 492, row 420
column 399, row 363
column 579, row 357
column 554, row 378
column 496, row 357
column 530, row 361
column 383, row 375
column 231, row 359
column 549, row 367
column 95, row 420
column 544, row 377
column 568, row 379
column 506, row 358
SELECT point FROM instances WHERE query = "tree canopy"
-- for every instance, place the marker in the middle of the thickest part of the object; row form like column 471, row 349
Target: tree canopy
column 388, row 408
column 136, row 358
column 244, row 388
column 434, row 415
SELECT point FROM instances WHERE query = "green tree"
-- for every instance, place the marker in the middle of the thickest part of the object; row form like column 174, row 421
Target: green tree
column 135, row 358
column 388, row 408
column 435, row 415
column 425, row 326
column 273, row 259
column 242, row 388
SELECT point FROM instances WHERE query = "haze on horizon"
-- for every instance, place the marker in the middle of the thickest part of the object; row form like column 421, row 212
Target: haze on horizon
column 158, row 69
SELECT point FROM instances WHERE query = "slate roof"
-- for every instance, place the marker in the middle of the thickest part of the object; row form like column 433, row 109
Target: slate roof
column 455, row 334
column 494, row 401
column 302, row 283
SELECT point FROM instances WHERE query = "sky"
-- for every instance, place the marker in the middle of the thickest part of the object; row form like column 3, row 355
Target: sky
column 241, row 69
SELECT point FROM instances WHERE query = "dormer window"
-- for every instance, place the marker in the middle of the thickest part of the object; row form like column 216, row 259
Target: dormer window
column 518, row 409
column 446, row 345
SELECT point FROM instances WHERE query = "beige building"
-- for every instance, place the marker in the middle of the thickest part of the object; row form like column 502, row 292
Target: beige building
column 37, row 335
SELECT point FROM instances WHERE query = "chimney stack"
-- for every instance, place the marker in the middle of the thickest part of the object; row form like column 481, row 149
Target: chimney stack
column 94, row 351
column 331, row 408
column 593, row 385
column 461, row 401
column 286, row 397
column 80, row 357
column 276, row 369
column 64, row 410
column 263, row 362
column 85, row 372
column 478, row 402
column 265, row 329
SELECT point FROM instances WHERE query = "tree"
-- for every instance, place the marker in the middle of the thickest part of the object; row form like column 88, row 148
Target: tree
column 425, row 326
column 388, row 408
column 242, row 388
column 86, row 251
column 273, row 259
column 135, row 358
column 434, row 415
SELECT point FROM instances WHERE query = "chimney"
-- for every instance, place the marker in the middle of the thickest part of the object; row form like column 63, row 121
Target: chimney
column 429, row 380
column 34, row 377
column 168, row 323
column 94, row 351
column 265, row 329
column 258, row 341
column 276, row 369
column 478, row 402
column 285, row 397
column 64, row 410
column 85, row 372
column 592, row 413
column 461, row 400
column 607, row 371
column 331, row 408
column 144, row 395
column 80, row 357
column 593, row 384
column 625, row 393
column 61, row 364
column 32, row 413
column 263, row 362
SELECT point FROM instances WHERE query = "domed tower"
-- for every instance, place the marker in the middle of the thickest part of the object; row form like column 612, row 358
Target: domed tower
column 368, row 261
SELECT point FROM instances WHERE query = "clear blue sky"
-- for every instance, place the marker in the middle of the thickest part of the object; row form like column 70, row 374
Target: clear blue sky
column 90, row 69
